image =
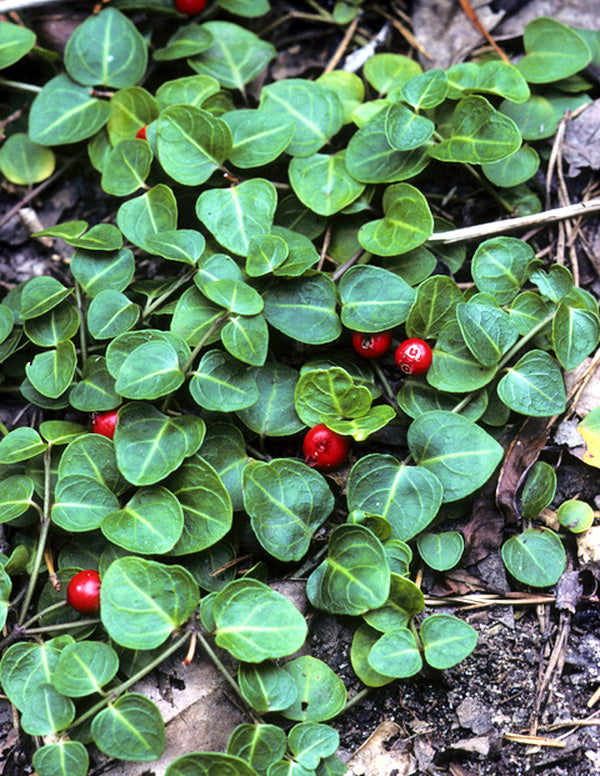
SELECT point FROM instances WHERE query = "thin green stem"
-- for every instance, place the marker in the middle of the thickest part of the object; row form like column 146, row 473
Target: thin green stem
column 82, row 323
column 356, row 698
column 44, row 528
column 345, row 267
column 311, row 563
column 525, row 338
column 43, row 613
column 114, row 693
column 387, row 388
column 216, row 324
column 151, row 306
column 24, row 87
column 62, row 626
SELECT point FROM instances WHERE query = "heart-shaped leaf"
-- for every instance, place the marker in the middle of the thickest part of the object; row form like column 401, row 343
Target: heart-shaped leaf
column 535, row 557
column 321, row 693
column 534, row 386
column 131, row 728
column 446, row 640
column 85, row 667
column 374, row 299
column 407, row 222
column 323, row 183
column 64, row 758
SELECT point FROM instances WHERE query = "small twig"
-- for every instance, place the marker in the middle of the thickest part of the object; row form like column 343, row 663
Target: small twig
column 345, row 267
column 517, row 738
column 345, row 42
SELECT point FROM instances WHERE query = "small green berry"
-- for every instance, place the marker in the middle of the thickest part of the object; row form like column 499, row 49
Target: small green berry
column 575, row 515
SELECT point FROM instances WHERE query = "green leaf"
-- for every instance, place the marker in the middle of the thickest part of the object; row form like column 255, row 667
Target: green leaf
column 96, row 391
column 362, row 427
column 194, row 317
column 321, row 694
column 64, row 758
column 534, row 118
column 186, row 245
column 500, row 267
column 127, row 167
column 538, row 490
column 117, row 57
column 323, row 183
column 407, row 222
column 131, row 728
column 535, row 557
column 265, row 254
column 248, row 8
column 266, row 686
column 246, row 337
column 554, row 284
column 64, row 112
column 390, row 71
column 408, row 497
column 460, row 453
column 84, row 667
column 493, row 77
column 142, row 602
column 255, row 623
column 102, row 237
column 7, row 322
column 446, row 640
column 416, row 397
column 57, row 325
column 302, row 253
column 224, row 448
column 315, row 111
column 349, row 88
column 98, row 270
column 131, row 109
column 22, row 161
column 149, row 524
column 575, row 334
column 91, row 455
column 235, row 57
column 406, row 130
column 15, row 42
column 534, row 386
column 21, row 444
column 41, row 294
column 374, row 299
column 259, row 745
column 371, row 158
column 287, row 501
column 454, row 368
column 150, row 371
column 149, row 214
column 487, row 330
column 396, row 654
column 237, row 214
column 189, row 90
column 209, row 763
column 434, row 306
column 111, row 313
column 405, row 600
column 82, row 503
column 51, row 372
column 310, row 742
column 514, row 169
column 362, row 643
column 553, row 51
column 46, row 711
column 207, row 508
column 191, row 143
column 235, row 295
column 322, row 394
column 259, row 136
column 304, row 308
column 441, row 551
column 25, row 666
column 478, row 134
column 426, row 90
column 222, row 383
column 273, row 414
column 185, row 42
column 355, row 575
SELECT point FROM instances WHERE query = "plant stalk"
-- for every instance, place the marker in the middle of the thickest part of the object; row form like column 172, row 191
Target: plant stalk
column 21, row 85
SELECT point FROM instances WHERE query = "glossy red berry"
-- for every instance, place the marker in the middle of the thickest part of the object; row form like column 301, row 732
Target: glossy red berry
column 104, row 423
column 413, row 356
column 371, row 345
column 324, row 449
column 83, row 592
column 141, row 133
column 190, row 7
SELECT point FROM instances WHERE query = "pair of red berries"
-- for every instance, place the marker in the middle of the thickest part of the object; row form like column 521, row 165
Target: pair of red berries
column 83, row 592
column 413, row 356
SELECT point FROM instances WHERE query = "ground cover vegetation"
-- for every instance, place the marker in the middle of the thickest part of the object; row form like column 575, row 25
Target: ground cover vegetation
column 307, row 308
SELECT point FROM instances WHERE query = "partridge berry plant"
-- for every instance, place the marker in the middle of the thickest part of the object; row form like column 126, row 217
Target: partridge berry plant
column 261, row 223
column 83, row 592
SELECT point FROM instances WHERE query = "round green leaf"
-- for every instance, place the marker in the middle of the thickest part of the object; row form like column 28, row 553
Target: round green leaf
column 323, row 183
column 259, row 136
column 321, row 693
column 64, row 112
column 41, row 294
column 256, row 623
column 131, row 728
column 322, row 394
column 535, row 557
column 487, row 330
column 151, row 213
column 185, row 42
column 454, row 367
column 222, row 383
column 374, row 299
column 405, row 600
column 22, row 161
column 46, row 711
column 434, row 306
column 273, row 414
column 514, row 169
column 287, row 501
column 15, row 42
column 106, row 49
column 149, row 524
column 538, row 490
column 446, row 640
column 355, row 575
column 461, row 454
column 82, row 503
column 131, row 109
column 396, row 654
column 186, row 245
column 207, row 508
column 102, row 237
column 237, row 214
column 25, row 666
column 390, row 71
column 91, row 455
column 304, row 308
column 51, row 372
column 408, row 497
column 426, row 90
column 441, row 551
column 406, row 130
column 224, row 448
column 246, row 337
column 492, row 77
column 64, row 758
column 416, row 397
column 189, row 90
column 111, row 313
column 194, row 317
column 84, row 667
column 534, row 386
column 362, row 643
column 98, row 270
column 575, row 334
column 266, row 686
column 127, row 167
column 265, row 253
column 259, row 745
column 310, row 742
column 553, row 51
column 235, row 295
column 57, row 325
column 500, row 267
column 151, row 370
column 534, row 118
column 20, row 444
column 235, row 57
column 96, row 392
column 142, row 602
column 209, row 763
column 315, row 111
column 302, row 253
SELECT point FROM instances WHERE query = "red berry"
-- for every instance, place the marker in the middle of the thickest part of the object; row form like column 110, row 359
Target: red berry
column 104, row 423
column 141, row 133
column 371, row 345
column 413, row 356
column 324, row 449
column 190, row 7
column 83, row 593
